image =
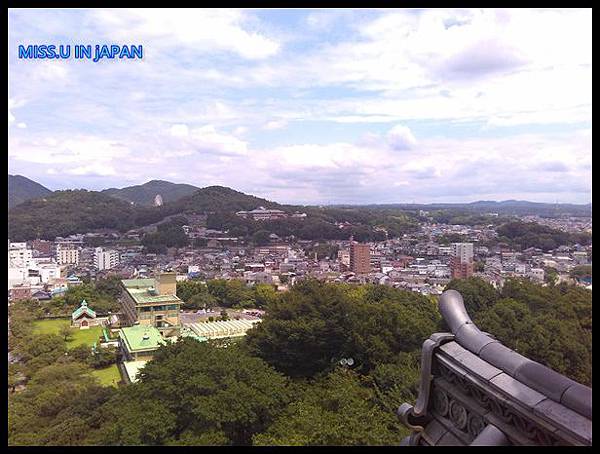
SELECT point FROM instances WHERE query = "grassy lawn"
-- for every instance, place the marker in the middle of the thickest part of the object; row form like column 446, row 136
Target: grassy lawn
column 109, row 376
column 80, row 336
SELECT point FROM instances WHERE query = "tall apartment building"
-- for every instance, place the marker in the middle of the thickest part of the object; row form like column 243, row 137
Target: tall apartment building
column 360, row 258
column 105, row 259
column 19, row 255
column 152, row 302
column 67, row 254
column 461, row 262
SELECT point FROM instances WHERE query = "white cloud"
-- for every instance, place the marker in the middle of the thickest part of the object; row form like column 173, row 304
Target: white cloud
column 213, row 81
column 180, row 130
column 275, row 124
column 240, row 131
column 205, row 29
column 99, row 169
column 401, row 138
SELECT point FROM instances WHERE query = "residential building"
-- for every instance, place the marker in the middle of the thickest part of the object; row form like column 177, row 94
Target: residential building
column 43, row 247
column 105, row 259
column 19, row 256
column 537, row 274
column 360, row 258
column 67, row 254
column 461, row 262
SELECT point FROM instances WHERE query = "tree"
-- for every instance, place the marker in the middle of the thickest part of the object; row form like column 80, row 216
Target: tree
column 202, row 300
column 550, row 275
column 313, row 325
column 551, row 325
column 337, row 410
column 265, row 294
column 15, row 376
column 397, row 382
column 39, row 350
column 80, row 353
column 197, row 391
column 477, row 293
column 66, row 332
column 103, row 357
column 261, row 237
column 58, row 406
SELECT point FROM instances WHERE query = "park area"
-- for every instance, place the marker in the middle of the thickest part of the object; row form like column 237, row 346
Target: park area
column 78, row 336
column 109, row 376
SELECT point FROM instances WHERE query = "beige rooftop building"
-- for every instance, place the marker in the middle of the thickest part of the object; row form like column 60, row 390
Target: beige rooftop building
column 152, row 302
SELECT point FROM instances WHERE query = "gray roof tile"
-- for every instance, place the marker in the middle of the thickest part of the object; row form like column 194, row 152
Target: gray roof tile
column 543, row 379
column 470, row 337
column 579, row 398
column 449, row 439
column 503, row 357
column 434, row 431
column 476, row 366
column 517, row 390
column 568, row 419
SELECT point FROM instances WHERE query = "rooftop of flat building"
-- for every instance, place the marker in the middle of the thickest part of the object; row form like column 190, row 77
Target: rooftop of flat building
column 141, row 290
column 141, row 338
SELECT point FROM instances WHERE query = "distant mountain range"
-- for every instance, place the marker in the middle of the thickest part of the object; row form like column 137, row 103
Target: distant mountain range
column 144, row 194
column 508, row 207
column 37, row 212
column 21, row 189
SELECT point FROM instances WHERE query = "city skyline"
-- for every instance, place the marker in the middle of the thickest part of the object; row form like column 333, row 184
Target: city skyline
column 311, row 106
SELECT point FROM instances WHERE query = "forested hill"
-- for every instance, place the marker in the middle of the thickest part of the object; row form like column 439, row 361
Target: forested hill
column 144, row 194
column 68, row 212
column 21, row 189
column 79, row 211
column 223, row 199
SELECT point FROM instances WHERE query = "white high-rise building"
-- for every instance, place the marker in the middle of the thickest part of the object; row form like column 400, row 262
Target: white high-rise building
column 463, row 251
column 105, row 259
column 19, row 255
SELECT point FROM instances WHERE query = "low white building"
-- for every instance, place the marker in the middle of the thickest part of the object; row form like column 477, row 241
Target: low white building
column 536, row 274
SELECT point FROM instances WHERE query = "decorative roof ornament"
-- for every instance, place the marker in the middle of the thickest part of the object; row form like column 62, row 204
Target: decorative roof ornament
column 476, row 391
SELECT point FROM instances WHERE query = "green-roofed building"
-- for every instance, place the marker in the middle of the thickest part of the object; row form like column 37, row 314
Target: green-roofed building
column 139, row 342
column 152, row 302
column 83, row 317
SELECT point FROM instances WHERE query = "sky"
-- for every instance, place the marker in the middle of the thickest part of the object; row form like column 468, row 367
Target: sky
column 311, row 106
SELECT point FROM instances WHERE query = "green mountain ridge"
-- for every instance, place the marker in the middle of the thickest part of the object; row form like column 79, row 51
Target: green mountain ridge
column 144, row 194
column 62, row 213
column 21, row 189
column 76, row 211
